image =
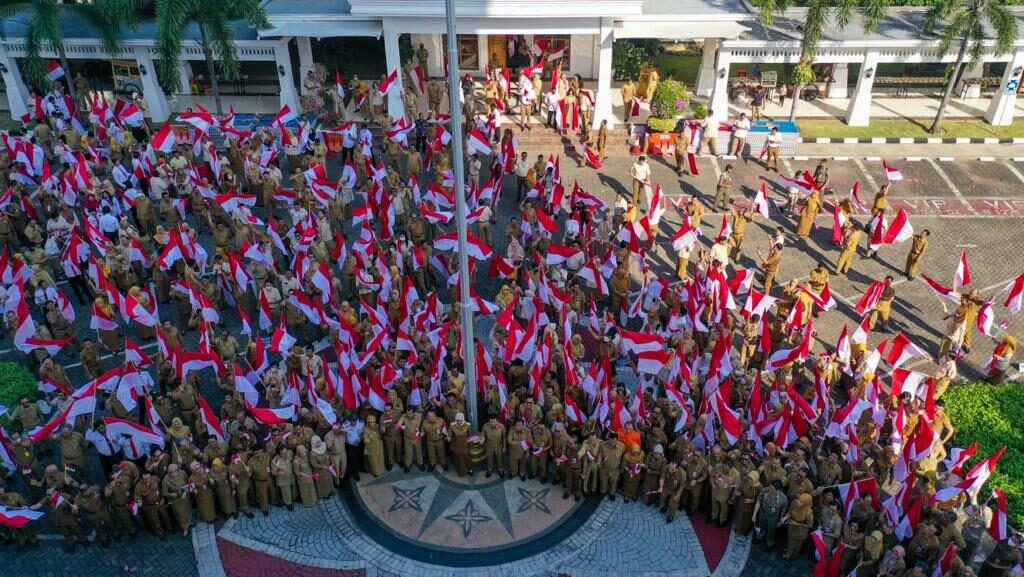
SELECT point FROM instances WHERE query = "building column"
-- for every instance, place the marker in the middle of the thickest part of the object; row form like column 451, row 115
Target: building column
column 17, row 92
column 1000, row 110
column 706, row 75
column 840, row 81
column 283, row 61
column 603, row 98
column 151, row 90
column 184, row 77
column 305, row 60
column 720, row 92
column 393, row 58
column 859, row 111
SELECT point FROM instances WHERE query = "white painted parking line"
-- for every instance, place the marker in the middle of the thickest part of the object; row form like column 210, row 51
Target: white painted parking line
column 952, row 187
column 867, row 175
column 1014, row 171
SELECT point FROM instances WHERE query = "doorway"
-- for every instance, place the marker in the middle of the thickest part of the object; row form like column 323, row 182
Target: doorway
column 497, row 51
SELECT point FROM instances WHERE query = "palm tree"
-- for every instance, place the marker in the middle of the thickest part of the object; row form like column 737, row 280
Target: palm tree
column 966, row 25
column 815, row 21
column 214, row 18
column 42, row 20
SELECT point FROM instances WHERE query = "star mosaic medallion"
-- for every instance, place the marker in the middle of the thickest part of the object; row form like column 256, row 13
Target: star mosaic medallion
column 533, row 500
column 468, row 518
column 407, row 499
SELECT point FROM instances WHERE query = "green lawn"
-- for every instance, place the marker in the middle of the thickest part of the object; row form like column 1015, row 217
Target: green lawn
column 904, row 128
column 991, row 415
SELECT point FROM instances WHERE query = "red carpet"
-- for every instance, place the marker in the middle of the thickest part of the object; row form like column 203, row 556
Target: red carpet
column 240, row 561
column 713, row 539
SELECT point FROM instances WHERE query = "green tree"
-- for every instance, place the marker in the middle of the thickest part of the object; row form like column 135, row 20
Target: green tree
column 965, row 25
column 214, row 18
column 42, row 21
column 814, row 22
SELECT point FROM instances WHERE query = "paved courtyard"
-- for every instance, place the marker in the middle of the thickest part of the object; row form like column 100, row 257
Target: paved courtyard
column 428, row 524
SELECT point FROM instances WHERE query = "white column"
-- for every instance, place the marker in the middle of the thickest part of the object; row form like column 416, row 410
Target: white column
column 151, row 90
column 435, row 64
column 1000, row 111
column 289, row 96
column 706, row 75
column 859, row 111
column 184, row 77
column 720, row 92
column 17, row 92
column 394, row 62
column 305, row 59
column 603, row 98
column 840, row 81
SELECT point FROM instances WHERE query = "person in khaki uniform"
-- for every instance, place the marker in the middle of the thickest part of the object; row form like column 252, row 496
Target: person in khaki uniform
column 373, row 447
column 590, row 452
column 632, row 472
column 284, row 477
column 175, row 489
column 459, row 432
column 147, row 492
column 436, row 433
column 671, row 486
column 64, row 514
column 24, row 535
column 918, row 244
column 723, row 190
column 628, row 92
column 573, row 470
column 91, row 502
column 260, row 466
column 411, row 425
column 119, row 492
column 494, row 446
column 335, row 440
column 519, row 443
column 682, row 142
column 392, row 436
column 851, row 238
column 770, row 266
column 541, row 453
column 883, row 309
column 304, row 476
column 724, row 481
column 241, row 479
column 610, row 456
column 654, row 464
column 696, row 474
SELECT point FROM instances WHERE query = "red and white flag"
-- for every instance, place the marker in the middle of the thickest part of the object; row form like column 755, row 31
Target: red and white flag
column 902, row 351
column 339, row 86
column 962, row 277
column 270, row 417
column 54, row 70
column 165, row 139
column 941, row 291
column 209, row 418
column 998, row 528
column 137, row 433
column 389, row 83
column 1015, row 288
column 900, row 229
column 760, row 205
column 855, row 197
column 891, row 172
column 592, row 158
column 478, row 142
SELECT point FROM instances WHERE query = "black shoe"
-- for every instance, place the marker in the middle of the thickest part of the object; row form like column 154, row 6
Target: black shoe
column 21, row 547
column 406, row 469
column 611, row 498
column 70, row 548
column 577, row 497
column 162, row 537
column 249, row 515
column 234, row 515
column 488, row 475
column 105, row 544
column 118, row 538
column 967, row 350
column 669, row 520
column 664, row 509
column 501, row 474
column 565, row 495
column 522, row 478
column 445, row 467
column 291, row 507
column 266, row 513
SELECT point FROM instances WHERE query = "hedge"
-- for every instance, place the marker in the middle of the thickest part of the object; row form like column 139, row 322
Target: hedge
column 992, row 415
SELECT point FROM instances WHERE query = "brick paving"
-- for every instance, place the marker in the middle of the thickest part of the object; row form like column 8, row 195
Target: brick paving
column 242, row 562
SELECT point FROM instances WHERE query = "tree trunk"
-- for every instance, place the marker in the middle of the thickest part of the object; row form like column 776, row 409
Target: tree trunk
column 795, row 102
column 211, row 67
column 954, row 78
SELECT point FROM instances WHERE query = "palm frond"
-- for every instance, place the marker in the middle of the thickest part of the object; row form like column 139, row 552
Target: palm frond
column 814, row 27
column 874, row 13
column 844, row 11
column 172, row 16
column 222, row 42
column 1004, row 24
column 251, row 10
column 102, row 17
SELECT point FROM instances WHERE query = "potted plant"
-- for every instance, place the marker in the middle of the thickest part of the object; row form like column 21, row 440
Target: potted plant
column 668, row 104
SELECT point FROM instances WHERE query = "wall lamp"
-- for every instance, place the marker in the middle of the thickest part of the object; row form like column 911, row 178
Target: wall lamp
column 142, row 69
column 869, row 73
column 722, row 72
column 3, row 69
column 280, row 69
column 1016, row 71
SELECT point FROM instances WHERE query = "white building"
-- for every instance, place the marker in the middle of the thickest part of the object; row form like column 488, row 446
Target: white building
column 731, row 33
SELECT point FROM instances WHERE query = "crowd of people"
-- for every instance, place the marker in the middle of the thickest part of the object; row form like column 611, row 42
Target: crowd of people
column 740, row 415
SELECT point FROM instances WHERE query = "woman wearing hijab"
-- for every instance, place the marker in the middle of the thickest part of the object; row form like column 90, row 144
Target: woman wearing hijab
column 750, row 486
column 800, row 519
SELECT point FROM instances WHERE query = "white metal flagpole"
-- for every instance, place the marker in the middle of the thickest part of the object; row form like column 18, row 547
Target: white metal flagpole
column 465, row 313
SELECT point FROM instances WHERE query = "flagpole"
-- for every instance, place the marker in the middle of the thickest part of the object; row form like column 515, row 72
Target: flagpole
column 465, row 312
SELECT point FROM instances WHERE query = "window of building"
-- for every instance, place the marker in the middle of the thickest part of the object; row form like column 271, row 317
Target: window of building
column 469, row 50
column 556, row 42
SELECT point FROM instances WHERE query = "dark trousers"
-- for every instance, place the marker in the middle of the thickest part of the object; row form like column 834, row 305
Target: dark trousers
column 551, row 119
column 80, row 287
column 354, row 453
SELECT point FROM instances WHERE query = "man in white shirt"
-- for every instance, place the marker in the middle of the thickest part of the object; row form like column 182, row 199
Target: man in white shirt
column 551, row 103
column 740, row 128
column 641, row 173
column 474, row 170
column 774, row 146
column 522, row 171
column 710, row 127
column 109, row 224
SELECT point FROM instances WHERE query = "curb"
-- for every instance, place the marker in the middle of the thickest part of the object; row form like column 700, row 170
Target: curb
column 910, row 140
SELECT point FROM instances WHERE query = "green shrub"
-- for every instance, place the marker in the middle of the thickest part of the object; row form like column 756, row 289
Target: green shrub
column 627, row 58
column 15, row 382
column 700, row 112
column 992, row 416
column 661, row 124
column 669, row 99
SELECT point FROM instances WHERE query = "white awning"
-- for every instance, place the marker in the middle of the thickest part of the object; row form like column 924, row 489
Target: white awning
column 678, row 30
column 323, row 29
